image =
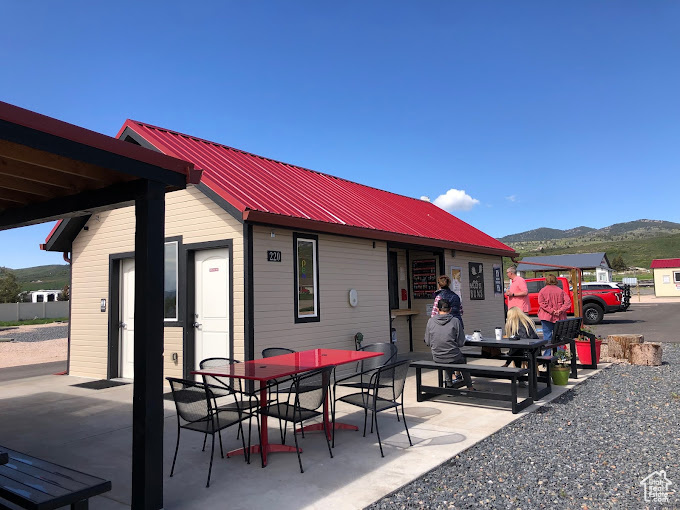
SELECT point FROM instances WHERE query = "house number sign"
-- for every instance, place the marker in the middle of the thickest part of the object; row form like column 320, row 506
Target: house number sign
column 273, row 256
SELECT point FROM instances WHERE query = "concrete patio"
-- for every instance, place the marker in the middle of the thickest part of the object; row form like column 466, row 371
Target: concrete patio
column 91, row 431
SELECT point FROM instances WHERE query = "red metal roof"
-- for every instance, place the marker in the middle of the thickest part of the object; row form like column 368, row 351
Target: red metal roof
column 268, row 191
column 665, row 263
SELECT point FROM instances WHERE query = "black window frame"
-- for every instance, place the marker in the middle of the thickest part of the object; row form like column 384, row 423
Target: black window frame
column 296, row 316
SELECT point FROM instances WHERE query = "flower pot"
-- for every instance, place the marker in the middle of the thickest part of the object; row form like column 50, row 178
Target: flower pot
column 583, row 351
column 560, row 375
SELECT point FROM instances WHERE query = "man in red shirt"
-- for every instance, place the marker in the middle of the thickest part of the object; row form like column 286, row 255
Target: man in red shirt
column 517, row 293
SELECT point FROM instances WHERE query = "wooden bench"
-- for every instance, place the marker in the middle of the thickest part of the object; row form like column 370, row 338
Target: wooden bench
column 424, row 392
column 36, row 484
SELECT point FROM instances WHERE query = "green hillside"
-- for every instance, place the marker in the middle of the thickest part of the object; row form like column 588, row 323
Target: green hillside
column 635, row 252
column 43, row 277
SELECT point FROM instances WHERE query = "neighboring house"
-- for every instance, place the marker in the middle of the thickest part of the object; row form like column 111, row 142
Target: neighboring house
column 263, row 253
column 40, row 296
column 597, row 262
column 666, row 277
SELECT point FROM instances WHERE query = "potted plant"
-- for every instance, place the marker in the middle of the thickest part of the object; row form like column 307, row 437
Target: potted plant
column 583, row 346
column 561, row 367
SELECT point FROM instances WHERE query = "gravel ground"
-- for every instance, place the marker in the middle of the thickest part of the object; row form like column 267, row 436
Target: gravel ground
column 590, row 448
column 40, row 343
column 35, row 333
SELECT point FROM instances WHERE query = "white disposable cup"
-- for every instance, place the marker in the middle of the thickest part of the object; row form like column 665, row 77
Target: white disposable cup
column 499, row 333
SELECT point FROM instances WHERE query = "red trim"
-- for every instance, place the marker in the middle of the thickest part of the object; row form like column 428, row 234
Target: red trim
column 378, row 235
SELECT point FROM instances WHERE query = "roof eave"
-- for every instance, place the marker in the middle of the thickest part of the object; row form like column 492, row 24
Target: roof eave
column 366, row 233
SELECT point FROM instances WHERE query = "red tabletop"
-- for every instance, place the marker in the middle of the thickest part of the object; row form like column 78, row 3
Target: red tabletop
column 284, row 365
column 266, row 369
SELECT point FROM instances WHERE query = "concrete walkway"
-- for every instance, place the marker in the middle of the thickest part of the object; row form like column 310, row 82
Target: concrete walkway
column 90, row 430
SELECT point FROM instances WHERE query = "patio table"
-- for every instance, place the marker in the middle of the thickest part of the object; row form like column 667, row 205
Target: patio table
column 276, row 367
column 531, row 346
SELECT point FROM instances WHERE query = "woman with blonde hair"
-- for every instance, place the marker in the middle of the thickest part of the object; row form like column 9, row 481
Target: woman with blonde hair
column 518, row 325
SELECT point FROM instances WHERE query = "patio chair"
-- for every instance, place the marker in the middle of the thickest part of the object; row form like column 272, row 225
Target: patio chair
column 222, row 388
column 308, row 392
column 196, row 410
column 364, row 369
column 385, row 391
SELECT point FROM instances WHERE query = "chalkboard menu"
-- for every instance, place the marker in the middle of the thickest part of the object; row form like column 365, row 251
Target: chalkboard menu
column 424, row 279
column 476, row 280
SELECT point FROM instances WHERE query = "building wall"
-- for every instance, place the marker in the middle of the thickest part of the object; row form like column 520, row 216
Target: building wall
column 344, row 263
column 484, row 314
column 190, row 214
column 669, row 289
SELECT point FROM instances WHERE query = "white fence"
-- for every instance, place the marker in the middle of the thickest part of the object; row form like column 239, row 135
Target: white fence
column 26, row 311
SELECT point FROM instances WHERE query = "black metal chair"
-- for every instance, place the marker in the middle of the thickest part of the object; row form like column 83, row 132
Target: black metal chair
column 385, row 391
column 196, row 410
column 308, row 392
column 223, row 387
column 275, row 351
column 364, row 369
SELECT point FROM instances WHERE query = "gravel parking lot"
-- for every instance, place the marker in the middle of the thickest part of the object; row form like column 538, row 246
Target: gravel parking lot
column 588, row 449
column 40, row 343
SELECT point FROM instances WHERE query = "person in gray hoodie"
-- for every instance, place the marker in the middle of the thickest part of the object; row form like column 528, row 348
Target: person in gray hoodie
column 445, row 336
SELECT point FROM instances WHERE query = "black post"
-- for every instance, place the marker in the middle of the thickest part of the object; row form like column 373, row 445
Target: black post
column 147, row 397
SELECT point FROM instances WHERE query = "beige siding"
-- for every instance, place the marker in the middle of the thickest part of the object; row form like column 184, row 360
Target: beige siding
column 344, row 263
column 189, row 213
column 667, row 288
column 484, row 315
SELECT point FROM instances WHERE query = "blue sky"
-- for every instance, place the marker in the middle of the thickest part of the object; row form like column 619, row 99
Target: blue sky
column 511, row 115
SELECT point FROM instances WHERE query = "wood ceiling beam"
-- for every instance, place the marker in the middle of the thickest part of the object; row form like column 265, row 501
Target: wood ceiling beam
column 14, row 183
column 34, row 174
column 15, row 198
column 67, row 166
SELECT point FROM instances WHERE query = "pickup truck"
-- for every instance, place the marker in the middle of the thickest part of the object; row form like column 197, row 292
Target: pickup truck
column 598, row 298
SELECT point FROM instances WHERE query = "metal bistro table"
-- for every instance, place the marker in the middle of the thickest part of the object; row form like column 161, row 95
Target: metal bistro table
column 531, row 346
column 276, row 367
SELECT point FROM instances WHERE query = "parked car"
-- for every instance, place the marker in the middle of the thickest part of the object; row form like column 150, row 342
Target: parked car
column 598, row 298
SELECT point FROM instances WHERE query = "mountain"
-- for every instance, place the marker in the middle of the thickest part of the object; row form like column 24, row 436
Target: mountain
column 52, row 277
column 638, row 229
column 637, row 242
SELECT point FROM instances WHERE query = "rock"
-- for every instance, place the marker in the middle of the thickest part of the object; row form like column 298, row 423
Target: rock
column 619, row 345
column 648, row 354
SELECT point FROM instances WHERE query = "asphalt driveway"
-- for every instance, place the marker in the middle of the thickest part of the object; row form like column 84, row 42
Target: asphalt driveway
column 658, row 322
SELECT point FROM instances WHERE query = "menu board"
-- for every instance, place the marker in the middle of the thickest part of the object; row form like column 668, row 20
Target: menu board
column 424, row 278
column 476, row 280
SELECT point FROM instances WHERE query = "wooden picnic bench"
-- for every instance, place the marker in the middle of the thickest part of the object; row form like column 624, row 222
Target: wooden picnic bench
column 36, row 484
column 424, row 392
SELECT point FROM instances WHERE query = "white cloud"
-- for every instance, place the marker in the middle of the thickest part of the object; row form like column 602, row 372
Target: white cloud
column 455, row 200
column 424, row 198
column 511, row 198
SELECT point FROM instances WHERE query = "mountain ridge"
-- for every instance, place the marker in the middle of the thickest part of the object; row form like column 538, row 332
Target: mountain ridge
column 639, row 228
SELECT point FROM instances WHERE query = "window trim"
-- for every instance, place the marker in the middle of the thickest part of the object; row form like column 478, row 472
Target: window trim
column 317, row 302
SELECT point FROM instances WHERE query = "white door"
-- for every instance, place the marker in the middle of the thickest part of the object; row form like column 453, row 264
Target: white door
column 127, row 319
column 211, row 321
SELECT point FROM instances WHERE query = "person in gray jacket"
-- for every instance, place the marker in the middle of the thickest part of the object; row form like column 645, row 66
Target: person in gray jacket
column 445, row 336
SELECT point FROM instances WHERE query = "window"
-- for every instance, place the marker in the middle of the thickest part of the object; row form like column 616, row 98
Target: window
column 170, row 285
column 306, row 278
column 535, row 286
column 676, row 276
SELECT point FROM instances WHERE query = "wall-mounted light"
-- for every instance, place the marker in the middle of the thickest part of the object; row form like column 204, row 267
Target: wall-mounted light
column 273, row 234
